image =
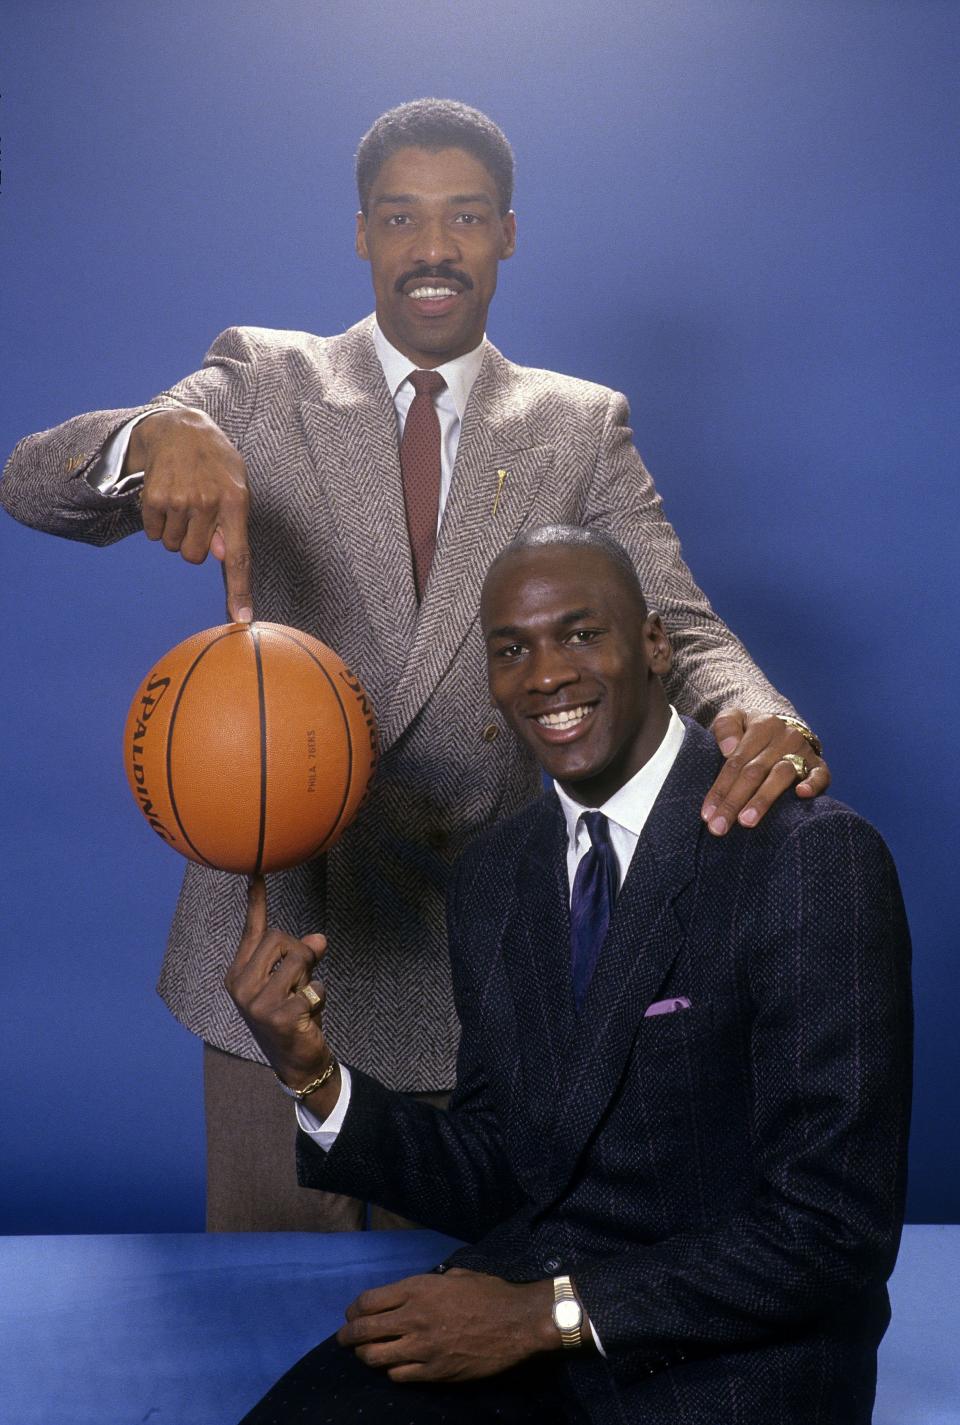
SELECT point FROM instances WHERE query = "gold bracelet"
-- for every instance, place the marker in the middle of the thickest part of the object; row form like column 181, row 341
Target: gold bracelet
column 301, row 1094
column 804, row 731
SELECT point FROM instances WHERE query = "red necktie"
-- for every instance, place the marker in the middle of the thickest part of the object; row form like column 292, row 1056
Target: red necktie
column 420, row 467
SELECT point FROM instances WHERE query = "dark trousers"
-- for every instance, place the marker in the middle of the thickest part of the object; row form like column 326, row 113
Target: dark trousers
column 330, row 1386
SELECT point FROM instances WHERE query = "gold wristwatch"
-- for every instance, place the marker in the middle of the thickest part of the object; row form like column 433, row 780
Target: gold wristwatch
column 567, row 1312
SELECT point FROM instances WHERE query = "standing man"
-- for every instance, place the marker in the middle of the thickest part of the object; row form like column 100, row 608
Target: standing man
column 677, row 1144
column 357, row 487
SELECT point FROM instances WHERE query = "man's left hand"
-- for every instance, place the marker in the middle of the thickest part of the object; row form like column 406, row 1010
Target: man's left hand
column 457, row 1326
column 755, row 773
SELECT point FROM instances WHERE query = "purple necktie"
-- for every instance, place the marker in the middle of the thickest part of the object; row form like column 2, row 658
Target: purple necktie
column 595, row 889
column 420, row 468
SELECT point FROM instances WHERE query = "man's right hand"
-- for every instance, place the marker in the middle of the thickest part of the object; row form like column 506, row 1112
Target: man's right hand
column 266, row 982
column 195, row 496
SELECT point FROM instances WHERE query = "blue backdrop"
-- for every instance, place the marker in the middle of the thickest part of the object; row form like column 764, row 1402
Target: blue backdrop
column 742, row 214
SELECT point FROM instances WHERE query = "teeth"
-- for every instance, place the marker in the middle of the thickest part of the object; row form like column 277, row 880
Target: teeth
column 433, row 292
column 566, row 718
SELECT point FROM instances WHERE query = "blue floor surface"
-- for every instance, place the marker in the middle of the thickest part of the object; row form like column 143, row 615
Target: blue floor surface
column 192, row 1329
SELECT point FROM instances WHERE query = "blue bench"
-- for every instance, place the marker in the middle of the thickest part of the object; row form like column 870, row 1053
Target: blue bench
column 191, row 1329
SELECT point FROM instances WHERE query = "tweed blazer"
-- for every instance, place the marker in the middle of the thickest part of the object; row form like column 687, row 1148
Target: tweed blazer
column 723, row 1183
column 316, row 425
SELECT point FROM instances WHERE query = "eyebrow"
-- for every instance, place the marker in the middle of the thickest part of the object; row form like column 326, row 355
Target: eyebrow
column 388, row 199
column 574, row 616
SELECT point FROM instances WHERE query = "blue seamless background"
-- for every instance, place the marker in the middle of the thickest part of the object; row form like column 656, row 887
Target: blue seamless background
column 742, row 215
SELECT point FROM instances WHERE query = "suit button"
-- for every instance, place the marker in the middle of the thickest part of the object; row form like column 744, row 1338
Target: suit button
column 490, row 732
column 551, row 1265
column 436, row 839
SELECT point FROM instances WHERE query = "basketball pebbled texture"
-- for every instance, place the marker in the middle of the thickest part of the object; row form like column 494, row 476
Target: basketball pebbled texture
column 250, row 747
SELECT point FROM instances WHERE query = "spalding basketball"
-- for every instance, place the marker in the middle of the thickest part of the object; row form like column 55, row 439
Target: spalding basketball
column 250, row 747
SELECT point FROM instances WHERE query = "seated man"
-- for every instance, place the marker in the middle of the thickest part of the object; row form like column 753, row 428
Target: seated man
column 677, row 1144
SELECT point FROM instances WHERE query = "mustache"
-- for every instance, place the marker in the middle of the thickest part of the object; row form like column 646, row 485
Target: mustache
column 443, row 273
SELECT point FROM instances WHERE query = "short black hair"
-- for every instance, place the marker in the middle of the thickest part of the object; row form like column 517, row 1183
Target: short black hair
column 577, row 537
column 436, row 124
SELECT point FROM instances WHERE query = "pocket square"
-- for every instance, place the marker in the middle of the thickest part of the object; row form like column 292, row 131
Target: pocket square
column 667, row 1006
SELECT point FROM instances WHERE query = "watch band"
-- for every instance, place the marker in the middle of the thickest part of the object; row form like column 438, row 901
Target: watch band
column 804, row 731
column 301, row 1094
column 567, row 1313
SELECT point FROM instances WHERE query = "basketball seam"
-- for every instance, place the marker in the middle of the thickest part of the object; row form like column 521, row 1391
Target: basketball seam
column 262, row 831
column 173, row 718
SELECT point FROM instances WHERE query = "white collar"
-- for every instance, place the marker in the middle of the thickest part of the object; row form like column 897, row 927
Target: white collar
column 632, row 803
column 459, row 374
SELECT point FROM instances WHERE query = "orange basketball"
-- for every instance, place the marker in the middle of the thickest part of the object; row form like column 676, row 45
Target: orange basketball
column 250, row 747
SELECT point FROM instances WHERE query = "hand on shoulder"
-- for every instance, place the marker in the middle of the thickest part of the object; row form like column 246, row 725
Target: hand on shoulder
column 765, row 755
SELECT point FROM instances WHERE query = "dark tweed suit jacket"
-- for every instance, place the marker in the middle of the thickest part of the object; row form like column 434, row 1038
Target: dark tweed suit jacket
column 724, row 1183
column 316, row 425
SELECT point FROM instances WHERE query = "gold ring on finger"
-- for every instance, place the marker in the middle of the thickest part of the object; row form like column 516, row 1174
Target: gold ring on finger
column 798, row 763
column 310, row 995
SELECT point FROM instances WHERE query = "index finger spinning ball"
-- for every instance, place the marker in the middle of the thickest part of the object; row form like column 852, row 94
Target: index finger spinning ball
column 250, row 747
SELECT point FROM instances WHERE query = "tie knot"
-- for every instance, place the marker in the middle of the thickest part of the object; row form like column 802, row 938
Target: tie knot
column 427, row 383
column 598, row 828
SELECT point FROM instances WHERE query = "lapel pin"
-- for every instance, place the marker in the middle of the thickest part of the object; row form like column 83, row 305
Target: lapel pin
column 501, row 476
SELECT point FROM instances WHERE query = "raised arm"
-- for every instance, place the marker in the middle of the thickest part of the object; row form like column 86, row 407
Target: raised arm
column 446, row 1169
column 714, row 679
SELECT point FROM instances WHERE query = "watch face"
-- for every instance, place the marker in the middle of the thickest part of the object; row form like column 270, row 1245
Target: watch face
column 567, row 1315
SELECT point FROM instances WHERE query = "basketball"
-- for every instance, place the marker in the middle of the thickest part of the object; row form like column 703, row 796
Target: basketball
column 250, row 747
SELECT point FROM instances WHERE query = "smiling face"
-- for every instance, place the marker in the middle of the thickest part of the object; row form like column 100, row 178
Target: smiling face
column 574, row 665
column 434, row 236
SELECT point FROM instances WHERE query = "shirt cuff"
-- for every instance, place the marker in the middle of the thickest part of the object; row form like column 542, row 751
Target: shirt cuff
column 324, row 1133
column 596, row 1339
column 105, row 474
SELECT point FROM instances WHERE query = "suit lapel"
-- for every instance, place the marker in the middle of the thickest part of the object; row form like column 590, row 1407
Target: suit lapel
column 476, row 524
column 644, row 939
column 350, row 426
column 351, row 429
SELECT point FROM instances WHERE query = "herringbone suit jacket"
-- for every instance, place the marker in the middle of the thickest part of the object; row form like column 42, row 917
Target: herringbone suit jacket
column 723, row 1183
column 316, row 426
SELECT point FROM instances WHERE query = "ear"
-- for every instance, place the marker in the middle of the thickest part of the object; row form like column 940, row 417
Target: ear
column 659, row 652
column 509, row 224
column 361, row 240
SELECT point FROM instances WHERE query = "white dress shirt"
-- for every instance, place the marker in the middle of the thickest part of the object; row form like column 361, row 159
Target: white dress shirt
column 106, row 476
column 450, row 403
column 627, row 810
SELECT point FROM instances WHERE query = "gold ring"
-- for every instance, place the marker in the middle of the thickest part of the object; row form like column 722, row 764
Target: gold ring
column 310, row 995
column 798, row 764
